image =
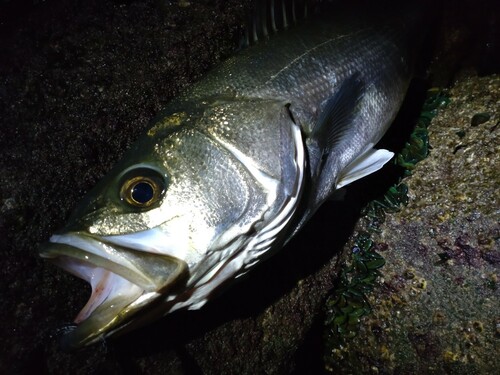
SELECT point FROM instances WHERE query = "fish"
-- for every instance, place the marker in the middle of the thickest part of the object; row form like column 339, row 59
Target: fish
column 233, row 168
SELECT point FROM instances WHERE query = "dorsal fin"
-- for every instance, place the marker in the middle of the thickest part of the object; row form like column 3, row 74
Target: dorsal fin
column 271, row 16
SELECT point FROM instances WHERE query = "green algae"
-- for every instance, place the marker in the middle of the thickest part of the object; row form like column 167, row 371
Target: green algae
column 417, row 148
column 348, row 303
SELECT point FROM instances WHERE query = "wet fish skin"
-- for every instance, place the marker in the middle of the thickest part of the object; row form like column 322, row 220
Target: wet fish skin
column 235, row 166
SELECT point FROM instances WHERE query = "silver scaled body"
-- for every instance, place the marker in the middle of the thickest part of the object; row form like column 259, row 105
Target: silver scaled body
column 245, row 157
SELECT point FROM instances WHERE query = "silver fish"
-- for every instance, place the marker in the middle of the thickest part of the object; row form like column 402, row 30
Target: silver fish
column 231, row 170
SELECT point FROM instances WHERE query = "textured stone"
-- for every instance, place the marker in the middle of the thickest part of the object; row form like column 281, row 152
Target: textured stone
column 437, row 308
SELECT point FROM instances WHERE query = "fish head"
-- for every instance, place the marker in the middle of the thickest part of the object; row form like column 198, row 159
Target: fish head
column 165, row 221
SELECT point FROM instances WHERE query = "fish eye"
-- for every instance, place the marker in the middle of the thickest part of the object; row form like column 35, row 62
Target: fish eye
column 142, row 188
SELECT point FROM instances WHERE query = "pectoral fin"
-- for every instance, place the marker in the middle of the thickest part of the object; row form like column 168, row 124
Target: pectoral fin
column 334, row 123
column 336, row 117
column 365, row 164
column 332, row 131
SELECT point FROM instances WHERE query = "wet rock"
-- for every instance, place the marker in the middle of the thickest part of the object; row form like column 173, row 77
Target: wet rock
column 436, row 310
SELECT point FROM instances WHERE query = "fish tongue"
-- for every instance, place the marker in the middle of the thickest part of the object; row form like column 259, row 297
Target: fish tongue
column 101, row 288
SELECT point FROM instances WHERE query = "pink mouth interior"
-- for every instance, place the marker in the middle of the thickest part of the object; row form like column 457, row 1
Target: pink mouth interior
column 105, row 284
column 101, row 287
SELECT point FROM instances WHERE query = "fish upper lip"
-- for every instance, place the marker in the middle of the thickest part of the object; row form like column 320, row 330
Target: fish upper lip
column 123, row 281
column 150, row 271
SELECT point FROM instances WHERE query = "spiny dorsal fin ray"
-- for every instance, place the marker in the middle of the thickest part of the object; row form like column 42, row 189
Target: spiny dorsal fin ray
column 271, row 16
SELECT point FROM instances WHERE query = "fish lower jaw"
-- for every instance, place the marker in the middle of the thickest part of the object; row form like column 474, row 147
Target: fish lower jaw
column 106, row 288
column 119, row 290
column 112, row 302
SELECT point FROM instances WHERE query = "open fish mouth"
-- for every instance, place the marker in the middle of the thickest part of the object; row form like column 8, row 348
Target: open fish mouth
column 123, row 281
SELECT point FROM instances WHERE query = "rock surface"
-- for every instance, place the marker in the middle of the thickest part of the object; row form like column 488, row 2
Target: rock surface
column 437, row 308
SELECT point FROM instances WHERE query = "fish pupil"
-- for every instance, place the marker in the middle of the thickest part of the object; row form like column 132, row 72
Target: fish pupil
column 141, row 187
column 142, row 192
